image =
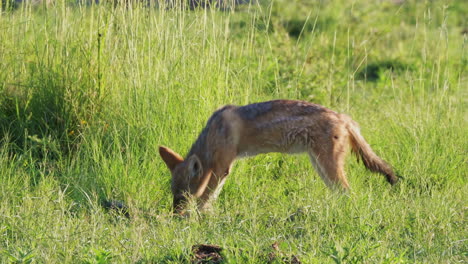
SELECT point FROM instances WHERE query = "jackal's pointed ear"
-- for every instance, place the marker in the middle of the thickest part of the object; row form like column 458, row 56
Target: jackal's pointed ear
column 195, row 167
column 171, row 158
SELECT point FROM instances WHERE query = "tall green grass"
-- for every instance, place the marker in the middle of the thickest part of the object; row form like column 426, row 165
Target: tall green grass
column 88, row 93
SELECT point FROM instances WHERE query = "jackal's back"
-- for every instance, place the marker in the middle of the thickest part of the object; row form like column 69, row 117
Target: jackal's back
column 270, row 109
column 283, row 126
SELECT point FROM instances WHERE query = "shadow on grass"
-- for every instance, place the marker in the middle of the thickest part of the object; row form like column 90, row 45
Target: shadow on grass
column 374, row 70
column 41, row 115
column 297, row 27
column 42, row 121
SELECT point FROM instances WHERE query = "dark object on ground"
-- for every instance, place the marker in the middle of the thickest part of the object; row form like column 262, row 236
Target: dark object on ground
column 278, row 254
column 207, row 254
column 118, row 207
column 294, row 260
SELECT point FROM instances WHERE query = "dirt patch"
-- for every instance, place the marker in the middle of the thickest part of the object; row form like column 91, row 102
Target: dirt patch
column 203, row 253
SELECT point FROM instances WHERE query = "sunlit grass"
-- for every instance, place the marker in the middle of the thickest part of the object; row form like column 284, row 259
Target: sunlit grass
column 88, row 93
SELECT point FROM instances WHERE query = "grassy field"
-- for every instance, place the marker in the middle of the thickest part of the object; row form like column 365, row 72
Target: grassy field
column 88, row 93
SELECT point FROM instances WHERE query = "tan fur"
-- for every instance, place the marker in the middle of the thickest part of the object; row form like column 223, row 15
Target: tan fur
column 284, row 126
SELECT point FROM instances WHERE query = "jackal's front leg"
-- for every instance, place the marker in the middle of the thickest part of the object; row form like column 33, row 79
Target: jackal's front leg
column 215, row 185
column 206, row 202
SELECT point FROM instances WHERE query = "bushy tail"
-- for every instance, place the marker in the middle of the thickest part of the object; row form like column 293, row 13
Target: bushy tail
column 364, row 152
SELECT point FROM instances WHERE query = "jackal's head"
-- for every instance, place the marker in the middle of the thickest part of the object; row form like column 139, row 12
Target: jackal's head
column 187, row 177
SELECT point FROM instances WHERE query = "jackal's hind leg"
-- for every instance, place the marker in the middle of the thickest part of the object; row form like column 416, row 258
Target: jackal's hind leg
column 318, row 169
column 329, row 163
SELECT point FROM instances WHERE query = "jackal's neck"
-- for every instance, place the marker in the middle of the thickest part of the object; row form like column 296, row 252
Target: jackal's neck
column 201, row 146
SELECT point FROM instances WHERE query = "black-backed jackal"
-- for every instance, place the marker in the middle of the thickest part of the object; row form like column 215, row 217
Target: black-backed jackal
column 284, row 126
